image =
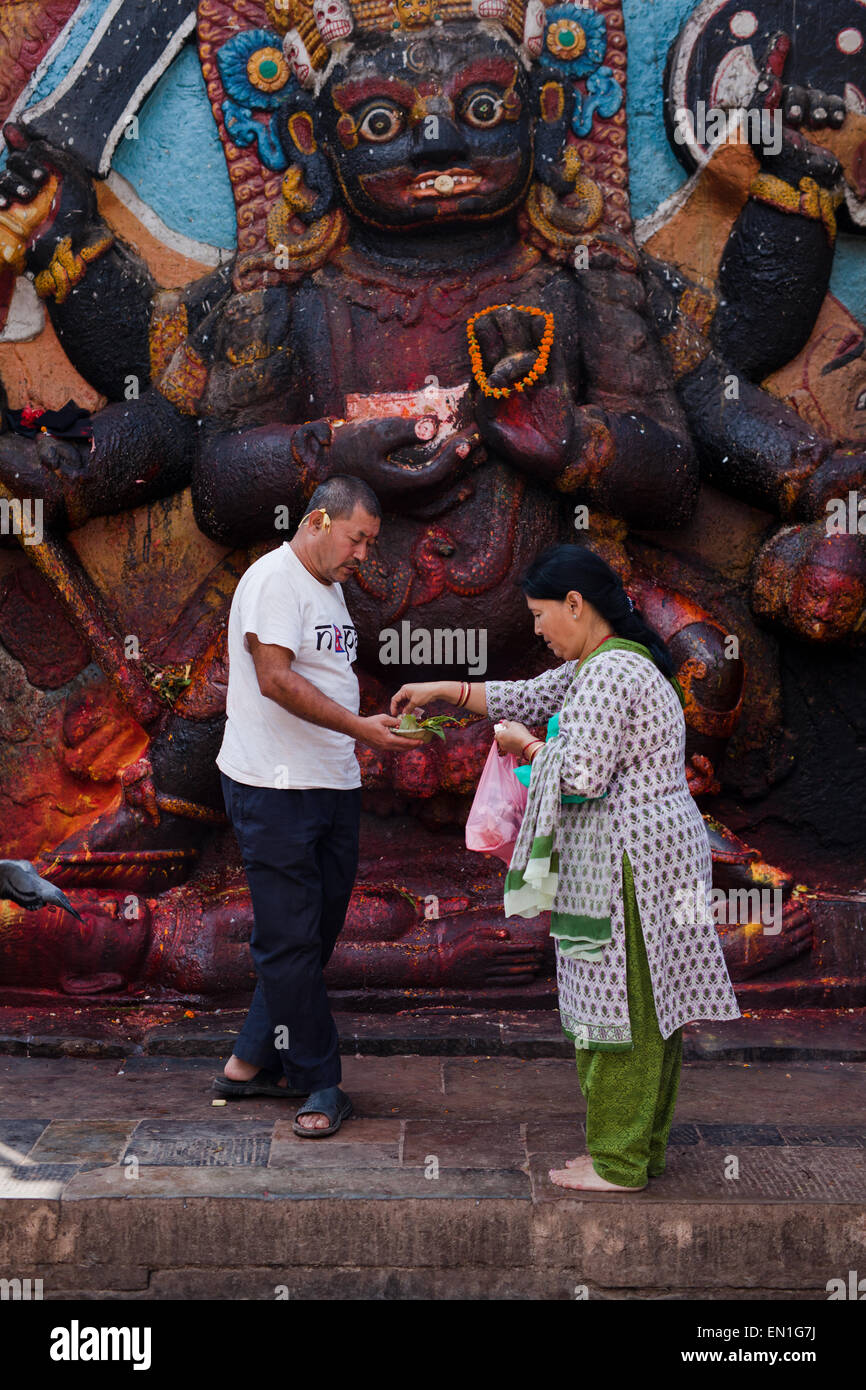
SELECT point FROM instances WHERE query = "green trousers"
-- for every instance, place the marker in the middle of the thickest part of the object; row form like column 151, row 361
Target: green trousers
column 630, row 1096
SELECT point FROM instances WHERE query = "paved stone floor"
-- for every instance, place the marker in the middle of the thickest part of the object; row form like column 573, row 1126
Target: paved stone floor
column 124, row 1181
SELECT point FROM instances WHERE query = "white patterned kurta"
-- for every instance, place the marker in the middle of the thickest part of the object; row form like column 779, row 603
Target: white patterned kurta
column 624, row 732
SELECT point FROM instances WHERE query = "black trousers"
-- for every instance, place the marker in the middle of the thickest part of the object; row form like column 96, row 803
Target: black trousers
column 300, row 853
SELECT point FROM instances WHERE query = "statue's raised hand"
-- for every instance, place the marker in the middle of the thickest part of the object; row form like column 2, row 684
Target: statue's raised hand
column 801, row 108
column 510, row 342
column 39, row 180
column 534, row 426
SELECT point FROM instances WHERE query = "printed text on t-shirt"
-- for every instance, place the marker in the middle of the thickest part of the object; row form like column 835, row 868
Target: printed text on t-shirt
column 337, row 639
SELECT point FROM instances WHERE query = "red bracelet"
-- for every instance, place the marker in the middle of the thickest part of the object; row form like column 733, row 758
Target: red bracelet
column 533, row 743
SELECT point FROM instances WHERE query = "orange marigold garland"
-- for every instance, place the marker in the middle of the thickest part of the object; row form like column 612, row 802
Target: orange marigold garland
column 541, row 361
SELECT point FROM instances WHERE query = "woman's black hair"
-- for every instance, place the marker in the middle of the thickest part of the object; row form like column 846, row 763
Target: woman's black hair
column 555, row 572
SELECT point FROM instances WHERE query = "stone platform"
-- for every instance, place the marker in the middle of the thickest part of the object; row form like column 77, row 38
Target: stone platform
column 120, row 1180
column 120, row 1029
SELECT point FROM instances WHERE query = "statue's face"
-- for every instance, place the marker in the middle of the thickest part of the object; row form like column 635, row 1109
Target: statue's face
column 430, row 130
column 413, row 14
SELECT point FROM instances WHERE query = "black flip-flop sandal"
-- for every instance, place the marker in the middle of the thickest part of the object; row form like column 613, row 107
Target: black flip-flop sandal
column 264, row 1083
column 331, row 1102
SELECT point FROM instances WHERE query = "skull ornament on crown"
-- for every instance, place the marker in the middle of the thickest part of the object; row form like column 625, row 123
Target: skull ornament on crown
column 298, row 57
column 314, row 26
column 490, row 9
column 533, row 28
column 333, row 19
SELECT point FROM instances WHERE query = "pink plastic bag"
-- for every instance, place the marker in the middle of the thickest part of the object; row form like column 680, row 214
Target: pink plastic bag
column 497, row 812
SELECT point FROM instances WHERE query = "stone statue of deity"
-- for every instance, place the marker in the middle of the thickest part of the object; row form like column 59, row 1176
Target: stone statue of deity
column 421, row 190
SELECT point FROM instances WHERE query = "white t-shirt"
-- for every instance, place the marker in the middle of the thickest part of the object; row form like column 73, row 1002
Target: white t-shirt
column 264, row 745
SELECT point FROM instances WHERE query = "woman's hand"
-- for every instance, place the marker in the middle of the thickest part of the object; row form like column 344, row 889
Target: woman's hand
column 410, row 698
column 512, row 737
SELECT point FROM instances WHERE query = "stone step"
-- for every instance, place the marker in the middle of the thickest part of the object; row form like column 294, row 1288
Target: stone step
column 174, row 1031
column 187, row 1232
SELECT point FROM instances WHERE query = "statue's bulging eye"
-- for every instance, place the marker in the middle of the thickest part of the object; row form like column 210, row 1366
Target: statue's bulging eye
column 861, row 402
column 381, row 123
column 484, row 109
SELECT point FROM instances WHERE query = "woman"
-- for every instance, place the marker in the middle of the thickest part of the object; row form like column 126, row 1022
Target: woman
column 614, row 845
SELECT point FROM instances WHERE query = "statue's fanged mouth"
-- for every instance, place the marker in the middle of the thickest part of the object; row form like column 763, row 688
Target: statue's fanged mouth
column 449, row 183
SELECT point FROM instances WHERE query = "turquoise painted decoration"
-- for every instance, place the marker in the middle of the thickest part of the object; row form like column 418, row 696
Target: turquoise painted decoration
column 575, row 43
column 256, row 78
column 604, row 95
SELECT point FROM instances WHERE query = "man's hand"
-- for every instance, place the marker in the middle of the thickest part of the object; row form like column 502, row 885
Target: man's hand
column 277, row 681
column 375, row 731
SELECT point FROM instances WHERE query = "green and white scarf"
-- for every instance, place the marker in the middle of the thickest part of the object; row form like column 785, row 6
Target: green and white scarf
column 579, row 896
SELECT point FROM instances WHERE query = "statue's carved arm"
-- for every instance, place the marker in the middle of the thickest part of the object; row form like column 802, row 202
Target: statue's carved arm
column 257, row 452
column 652, row 476
column 750, row 443
column 242, row 476
column 105, row 306
column 787, row 225
column 140, row 450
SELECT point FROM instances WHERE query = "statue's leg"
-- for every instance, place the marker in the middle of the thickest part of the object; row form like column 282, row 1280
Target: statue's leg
column 170, row 797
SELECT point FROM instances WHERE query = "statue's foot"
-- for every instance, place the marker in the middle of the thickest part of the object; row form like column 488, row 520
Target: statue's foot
column 136, row 824
column 769, row 941
column 487, row 957
column 103, row 982
column 127, row 829
column 579, row 1173
column 762, row 922
column 738, row 865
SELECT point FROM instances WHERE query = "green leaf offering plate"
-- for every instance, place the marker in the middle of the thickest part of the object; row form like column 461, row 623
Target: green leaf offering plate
column 424, row 730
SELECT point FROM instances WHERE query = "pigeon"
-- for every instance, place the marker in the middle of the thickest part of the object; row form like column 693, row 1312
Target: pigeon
column 20, row 883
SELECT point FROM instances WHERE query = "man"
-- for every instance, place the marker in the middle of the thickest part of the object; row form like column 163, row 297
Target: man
column 292, row 789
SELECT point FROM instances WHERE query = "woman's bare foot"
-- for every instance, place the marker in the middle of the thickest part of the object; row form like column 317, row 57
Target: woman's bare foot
column 580, row 1173
column 572, row 1162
